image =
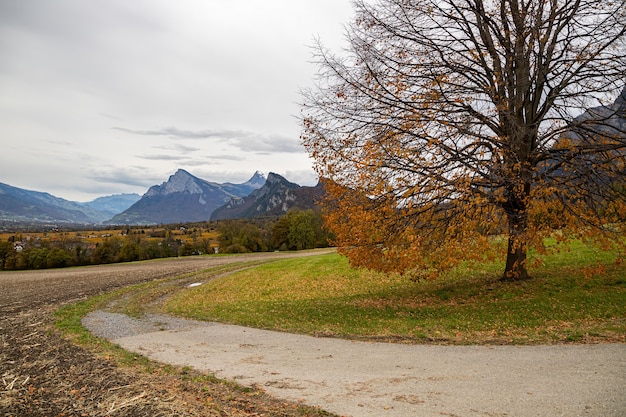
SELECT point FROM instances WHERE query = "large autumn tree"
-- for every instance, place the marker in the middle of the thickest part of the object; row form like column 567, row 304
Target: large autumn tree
column 446, row 123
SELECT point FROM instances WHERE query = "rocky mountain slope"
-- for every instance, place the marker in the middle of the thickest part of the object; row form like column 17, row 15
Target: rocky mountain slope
column 184, row 198
column 588, row 155
column 20, row 205
column 113, row 204
column 607, row 120
column 275, row 198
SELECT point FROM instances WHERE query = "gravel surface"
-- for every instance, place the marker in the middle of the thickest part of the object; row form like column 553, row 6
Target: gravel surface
column 114, row 326
column 382, row 379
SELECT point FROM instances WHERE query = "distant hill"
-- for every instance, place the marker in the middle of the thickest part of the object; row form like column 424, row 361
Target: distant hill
column 20, row 205
column 608, row 120
column 275, row 198
column 184, row 198
column 576, row 155
column 113, row 204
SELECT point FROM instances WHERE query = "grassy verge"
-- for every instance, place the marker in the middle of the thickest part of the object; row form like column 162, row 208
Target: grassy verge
column 322, row 295
column 146, row 298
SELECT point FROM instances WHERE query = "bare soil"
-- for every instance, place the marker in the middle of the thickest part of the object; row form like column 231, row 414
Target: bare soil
column 44, row 374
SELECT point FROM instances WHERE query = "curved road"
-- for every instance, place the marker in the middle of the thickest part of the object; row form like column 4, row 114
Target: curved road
column 362, row 379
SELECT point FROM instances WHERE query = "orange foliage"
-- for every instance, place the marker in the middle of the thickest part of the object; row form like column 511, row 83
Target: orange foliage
column 451, row 128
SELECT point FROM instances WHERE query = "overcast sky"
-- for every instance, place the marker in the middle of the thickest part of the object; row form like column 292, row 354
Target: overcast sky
column 108, row 97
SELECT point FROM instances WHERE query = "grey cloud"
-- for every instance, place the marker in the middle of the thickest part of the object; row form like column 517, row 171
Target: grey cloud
column 212, row 160
column 198, row 163
column 133, row 176
column 162, row 157
column 177, row 147
column 268, row 144
column 176, row 133
column 245, row 141
column 226, row 157
column 173, row 76
column 184, row 160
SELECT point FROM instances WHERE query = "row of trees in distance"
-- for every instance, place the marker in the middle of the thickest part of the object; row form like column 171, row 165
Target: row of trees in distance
column 294, row 231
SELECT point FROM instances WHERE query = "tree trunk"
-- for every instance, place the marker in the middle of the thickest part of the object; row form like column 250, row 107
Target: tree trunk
column 515, row 269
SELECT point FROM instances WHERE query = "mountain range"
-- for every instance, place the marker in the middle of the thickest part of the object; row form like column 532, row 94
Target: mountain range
column 19, row 205
column 113, row 204
column 182, row 198
column 275, row 198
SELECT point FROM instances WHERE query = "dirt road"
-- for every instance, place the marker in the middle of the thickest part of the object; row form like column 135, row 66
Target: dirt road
column 364, row 379
column 42, row 374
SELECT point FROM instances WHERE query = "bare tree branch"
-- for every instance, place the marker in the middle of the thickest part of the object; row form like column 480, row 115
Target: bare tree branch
column 445, row 110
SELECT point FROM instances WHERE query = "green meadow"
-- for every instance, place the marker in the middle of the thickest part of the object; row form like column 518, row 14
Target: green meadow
column 568, row 300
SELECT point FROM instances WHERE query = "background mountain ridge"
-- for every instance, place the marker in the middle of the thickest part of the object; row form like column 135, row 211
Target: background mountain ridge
column 184, row 198
column 18, row 205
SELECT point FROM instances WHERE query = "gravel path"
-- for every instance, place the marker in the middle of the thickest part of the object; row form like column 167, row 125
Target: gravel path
column 381, row 379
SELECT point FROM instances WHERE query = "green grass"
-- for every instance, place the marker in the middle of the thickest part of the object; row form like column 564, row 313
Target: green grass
column 322, row 295
column 146, row 297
